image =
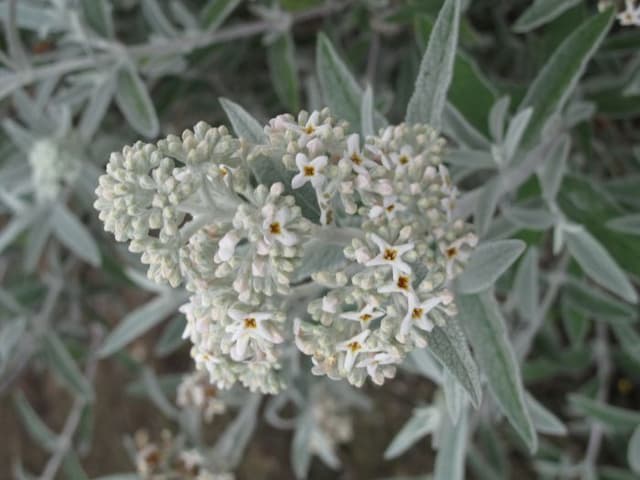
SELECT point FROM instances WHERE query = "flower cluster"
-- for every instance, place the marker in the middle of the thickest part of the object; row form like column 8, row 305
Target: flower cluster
column 54, row 164
column 168, row 459
column 252, row 231
column 196, row 393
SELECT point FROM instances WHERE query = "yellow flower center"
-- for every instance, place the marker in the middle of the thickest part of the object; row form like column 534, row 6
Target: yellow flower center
column 309, row 171
column 354, row 346
column 275, row 228
column 250, row 322
column 403, row 282
column 452, row 252
column 417, row 312
column 390, row 254
column 365, row 317
column 355, row 158
column 309, row 129
column 403, row 160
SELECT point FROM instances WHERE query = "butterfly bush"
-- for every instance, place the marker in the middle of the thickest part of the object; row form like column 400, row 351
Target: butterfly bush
column 239, row 224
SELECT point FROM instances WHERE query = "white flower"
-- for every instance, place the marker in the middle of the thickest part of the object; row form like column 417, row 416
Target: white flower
column 400, row 160
column 390, row 255
column 417, row 313
column 455, row 253
column 379, row 359
column 400, row 284
column 249, row 326
column 274, row 226
column 309, row 171
column 355, row 156
column 364, row 316
column 630, row 15
column 389, row 207
column 352, row 348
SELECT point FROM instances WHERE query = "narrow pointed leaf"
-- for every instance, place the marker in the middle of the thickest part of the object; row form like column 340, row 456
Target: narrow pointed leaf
column 243, row 122
column 485, row 327
column 134, row 102
column 66, row 367
column 594, row 259
column 487, row 263
column 436, row 69
column 74, row 235
column 541, row 13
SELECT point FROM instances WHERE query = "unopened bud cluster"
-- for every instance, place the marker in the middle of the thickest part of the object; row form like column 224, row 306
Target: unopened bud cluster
column 239, row 224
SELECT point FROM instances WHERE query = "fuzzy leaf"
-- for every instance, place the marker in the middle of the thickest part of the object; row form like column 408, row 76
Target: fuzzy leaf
column 65, row 366
column 243, row 122
column 74, row 235
column 485, row 327
column 594, row 259
column 541, row 13
column 140, row 321
column 487, row 263
column 134, row 102
column 633, row 451
column 449, row 346
column 422, row 422
column 450, row 460
column 436, row 69
column 556, row 81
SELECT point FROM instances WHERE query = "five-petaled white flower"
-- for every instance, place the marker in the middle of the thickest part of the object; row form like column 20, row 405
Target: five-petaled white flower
column 389, row 207
column 417, row 313
column 352, row 348
column 364, row 316
column 249, row 326
column 455, row 253
column 309, row 171
column 390, row 255
column 355, row 155
column 274, row 226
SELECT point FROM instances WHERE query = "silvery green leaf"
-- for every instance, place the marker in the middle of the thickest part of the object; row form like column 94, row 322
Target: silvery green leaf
column 319, row 255
column 140, row 321
column 485, row 327
column 619, row 419
column 629, row 340
column 476, row 159
column 544, row 420
column 98, row 16
column 65, row 366
column 526, row 285
column 36, row 18
column 529, row 218
column 10, row 334
column 423, row 421
column 626, row 224
column 31, row 114
column 340, row 90
column 97, row 106
column 449, row 345
column 579, row 111
column 17, row 225
column 486, row 206
column 454, row 396
column 456, row 126
column 487, row 263
column 555, row 83
column 325, row 449
column 244, row 125
column 36, row 241
column 35, row 427
column 553, row 169
column 452, row 452
column 284, row 73
column 21, row 137
column 515, row 132
column 498, row 118
column 422, row 362
column 633, row 450
column 134, row 102
column 216, row 12
column 231, row 444
column 154, row 391
column 541, row 13
column 366, row 112
column 183, row 16
column 74, row 235
column 436, row 69
column 596, row 262
column 597, row 304
column 157, row 19
column 72, row 467
column 301, row 444
column 171, row 338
